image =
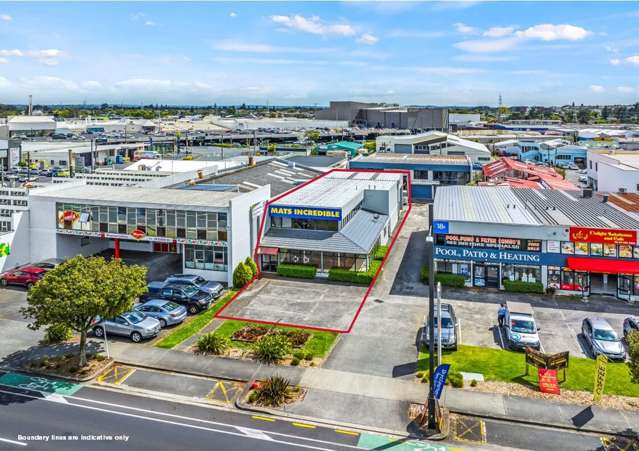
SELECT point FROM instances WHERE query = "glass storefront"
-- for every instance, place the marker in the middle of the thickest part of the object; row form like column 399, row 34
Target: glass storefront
column 519, row 273
column 210, row 258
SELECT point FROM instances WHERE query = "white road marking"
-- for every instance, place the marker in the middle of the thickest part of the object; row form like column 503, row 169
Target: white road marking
column 459, row 331
column 54, row 397
column 254, row 433
column 13, row 442
column 197, row 420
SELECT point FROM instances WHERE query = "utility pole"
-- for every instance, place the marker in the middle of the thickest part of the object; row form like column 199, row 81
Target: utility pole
column 439, row 323
column 430, row 248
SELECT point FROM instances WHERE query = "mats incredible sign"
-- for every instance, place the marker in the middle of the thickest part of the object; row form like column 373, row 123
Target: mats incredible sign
column 327, row 214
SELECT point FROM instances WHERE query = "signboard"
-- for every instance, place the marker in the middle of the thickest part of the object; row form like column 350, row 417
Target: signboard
column 558, row 361
column 497, row 256
column 488, row 242
column 440, row 226
column 138, row 234
column 548, row 381
column 326, row 214
column 439, row 379
column 535, row 358
column 600, row 378
column 155, row 239
column 605, row 236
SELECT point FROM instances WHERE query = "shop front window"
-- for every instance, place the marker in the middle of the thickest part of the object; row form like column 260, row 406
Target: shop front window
column 625, row 251
column 479, row 276
column 210, row 258
column 609, row 250
column 596, row 249
column 530, row 274
column 581, row 248
column 554, row 277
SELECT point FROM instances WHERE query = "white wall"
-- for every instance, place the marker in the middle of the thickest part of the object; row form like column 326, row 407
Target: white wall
column 609, row 176
column 18, row 241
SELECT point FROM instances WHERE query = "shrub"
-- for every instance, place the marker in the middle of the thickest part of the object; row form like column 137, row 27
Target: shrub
column 295, row 362
column 380, row 252
column 633, row 355
column 360, row 277
column 473, row 383
column 517, row 286
column 299, row 355
column 419, row 374
column 252, row 266
column 242, row 275
column 445, row 278
column 298, row 271
column 308, row 356
column 298, row 338
column 57, row 333
column 456, row 379
column 213, row 343
column 273, row 391
column 271, row 348
column 100, row 357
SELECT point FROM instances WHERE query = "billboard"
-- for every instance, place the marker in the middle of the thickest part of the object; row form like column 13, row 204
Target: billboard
column 317, row 213
column 605, row 236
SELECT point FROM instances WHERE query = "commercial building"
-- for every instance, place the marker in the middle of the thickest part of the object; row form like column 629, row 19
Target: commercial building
column 613, row 170
column 350, row 147
column 434, row 143
column 428, row 172
column 336, row 220
column 511, row 172
column 31, row 126
column 463, row 119
column 557, row 152
column 378, row 115
column 563, row 240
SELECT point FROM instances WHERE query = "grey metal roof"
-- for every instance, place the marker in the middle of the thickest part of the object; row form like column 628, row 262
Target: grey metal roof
column 413, row 158
column 494, row 204
column 357, row 237
column 316, row 161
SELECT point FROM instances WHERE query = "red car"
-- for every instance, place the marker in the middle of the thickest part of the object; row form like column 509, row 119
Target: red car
column 26, row 276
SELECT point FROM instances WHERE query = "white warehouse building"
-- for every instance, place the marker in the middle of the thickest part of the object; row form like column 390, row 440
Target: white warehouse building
column 613, row 170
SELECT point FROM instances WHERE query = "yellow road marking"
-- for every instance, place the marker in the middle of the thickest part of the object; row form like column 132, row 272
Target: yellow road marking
column 304, row 425
column 104, row 375
column 258, row 417
column 125, row 377
column 342, row 431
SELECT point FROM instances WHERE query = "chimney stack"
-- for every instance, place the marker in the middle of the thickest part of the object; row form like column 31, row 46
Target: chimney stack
column 30, row 111
column 605, row 198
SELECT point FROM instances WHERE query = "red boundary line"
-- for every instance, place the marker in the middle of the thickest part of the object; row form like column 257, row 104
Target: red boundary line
column 370, row 286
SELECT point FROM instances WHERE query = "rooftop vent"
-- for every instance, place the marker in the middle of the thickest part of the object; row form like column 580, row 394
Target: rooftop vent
column 622, row 190
column 586, row 193
column 605, row 198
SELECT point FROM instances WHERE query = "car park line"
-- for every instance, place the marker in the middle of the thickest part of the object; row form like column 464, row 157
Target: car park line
column 13, row 442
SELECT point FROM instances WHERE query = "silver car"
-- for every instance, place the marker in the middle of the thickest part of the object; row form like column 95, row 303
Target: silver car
column 166, row 312
column 132, row 324
column 449, row 328
column 602, row 339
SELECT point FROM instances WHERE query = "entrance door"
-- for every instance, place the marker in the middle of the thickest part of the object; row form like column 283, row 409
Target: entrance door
column 624, row 286
column 479, row 275
column 492, row 276
column 269, row 263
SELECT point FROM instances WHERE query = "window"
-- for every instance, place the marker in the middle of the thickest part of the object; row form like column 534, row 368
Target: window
column 522, row 273
column 625, row 251
column 554, row 277
column 596, row 249
column 567, row 247
column 211, row 258
column 609, row 250
column 590, row 164
column 581, row 248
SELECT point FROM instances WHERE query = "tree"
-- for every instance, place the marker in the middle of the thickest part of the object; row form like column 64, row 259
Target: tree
column 633, row 354
column 80, row 289
column 242, row 275
column 252, row 266
column 312, row 135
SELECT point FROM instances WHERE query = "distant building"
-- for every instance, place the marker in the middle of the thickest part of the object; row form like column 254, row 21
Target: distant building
column 348, row 146
column 434, row 143
column 463, row 118
column 377, row 115
column 31, row 126
column 556, row 152
column 518, row 174
column 613, row 171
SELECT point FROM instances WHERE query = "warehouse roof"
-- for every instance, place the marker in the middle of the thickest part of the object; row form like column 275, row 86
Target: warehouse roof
column 505, row 205
column 413, row 158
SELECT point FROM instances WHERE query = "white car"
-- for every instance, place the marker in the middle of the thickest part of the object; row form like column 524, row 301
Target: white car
column 583, row 179
column 521, row 329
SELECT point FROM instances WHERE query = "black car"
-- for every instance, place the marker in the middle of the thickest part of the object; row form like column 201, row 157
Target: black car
column 193, row 299
column 630, row 324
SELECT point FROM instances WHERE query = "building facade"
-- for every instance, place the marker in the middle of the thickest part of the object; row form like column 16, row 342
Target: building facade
column 613, row 170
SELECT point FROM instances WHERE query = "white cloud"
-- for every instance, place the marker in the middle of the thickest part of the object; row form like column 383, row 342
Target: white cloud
column 597, row 88
column 314, row 25
column 45, row 53
column 498, row 32
column 615, row 61
column 6, row 17
column 446, row 70
column 550, row 32
column 92, row 84
column 417, row 34
column 487, row 45
column 149, row 23
column 11, row 52
column 464, row 29
column 625, row 89
column 632, row 59
column 478, row 58
column 367, row 39
column 3, row 60
column 230, row 45
column 233, row 14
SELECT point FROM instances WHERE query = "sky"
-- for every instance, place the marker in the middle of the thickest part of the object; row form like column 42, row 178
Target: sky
column 308, row 53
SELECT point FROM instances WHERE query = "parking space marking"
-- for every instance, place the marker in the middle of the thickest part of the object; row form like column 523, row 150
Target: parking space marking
column 468, row 429
column 343, row 431
column 115, row 375
column 125, row 376
column 224, row 391
column 261, row 418
column 304, row 425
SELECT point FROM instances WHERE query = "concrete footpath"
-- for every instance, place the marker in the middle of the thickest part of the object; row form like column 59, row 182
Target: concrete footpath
column 335, row 395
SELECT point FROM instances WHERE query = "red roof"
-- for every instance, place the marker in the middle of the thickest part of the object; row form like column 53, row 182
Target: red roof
column 603, row 265
column 548, row 177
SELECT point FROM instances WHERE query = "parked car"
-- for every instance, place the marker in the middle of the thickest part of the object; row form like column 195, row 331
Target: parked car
column 572, row 166
column 630, row 324
column 26, row 276
column 192, row 298
column 583, row 178
column 134, row 325
column 521, row 329
column 602, row 339
column 168, row 313
column 214, row 288
column 449, row 328
column 49, row 263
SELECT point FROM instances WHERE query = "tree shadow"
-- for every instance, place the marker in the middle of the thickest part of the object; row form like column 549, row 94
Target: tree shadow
column 23, row 358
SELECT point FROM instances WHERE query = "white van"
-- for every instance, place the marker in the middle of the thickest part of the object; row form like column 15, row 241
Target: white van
column 521, row 329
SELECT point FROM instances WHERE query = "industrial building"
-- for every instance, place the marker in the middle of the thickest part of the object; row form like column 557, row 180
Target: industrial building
column 557, row 152
column 334, row 221
column 377, row 115
column 435, row 143
column 566, row 241
column 428, row 172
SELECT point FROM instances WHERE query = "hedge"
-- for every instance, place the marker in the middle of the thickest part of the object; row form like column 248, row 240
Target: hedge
column 380, row 252
column 361, row 277
column 298, row 271
column 445, row 278
column 516, row 286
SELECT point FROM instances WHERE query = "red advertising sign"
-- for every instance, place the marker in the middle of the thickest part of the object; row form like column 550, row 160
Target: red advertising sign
column 606, row 236
column 138, row 234
column 548, row 381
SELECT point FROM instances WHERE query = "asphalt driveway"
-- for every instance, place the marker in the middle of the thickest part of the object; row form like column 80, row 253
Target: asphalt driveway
column 303, row 303
column 15, row 334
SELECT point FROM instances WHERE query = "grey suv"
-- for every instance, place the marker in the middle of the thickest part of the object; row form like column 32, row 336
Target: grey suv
column 602, row 339
column 132, row 324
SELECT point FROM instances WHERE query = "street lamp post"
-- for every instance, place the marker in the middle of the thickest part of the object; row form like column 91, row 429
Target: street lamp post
column 432, row 420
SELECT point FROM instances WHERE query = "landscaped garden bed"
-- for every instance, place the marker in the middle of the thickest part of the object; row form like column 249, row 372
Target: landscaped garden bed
column 251, row 333
column 275, row 391
column 67, row 366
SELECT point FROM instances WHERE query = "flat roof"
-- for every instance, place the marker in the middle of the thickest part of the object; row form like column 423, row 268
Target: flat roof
column 413, row 158
column 135, row 195
column 336, row 189
column 505, row 205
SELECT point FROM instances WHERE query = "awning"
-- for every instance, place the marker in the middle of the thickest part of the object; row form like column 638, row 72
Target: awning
column 603, row 265
column 268, row 250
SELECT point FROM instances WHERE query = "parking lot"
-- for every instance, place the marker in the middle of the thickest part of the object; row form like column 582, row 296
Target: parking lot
column 303, row 303
column 15, row 334
column 559, row 322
